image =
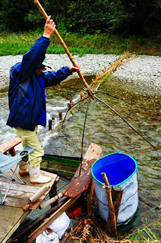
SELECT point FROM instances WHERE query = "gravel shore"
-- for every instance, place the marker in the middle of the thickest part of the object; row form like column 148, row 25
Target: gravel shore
column 142, row 70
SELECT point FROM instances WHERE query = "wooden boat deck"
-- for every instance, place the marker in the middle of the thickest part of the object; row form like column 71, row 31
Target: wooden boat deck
column 12, row 213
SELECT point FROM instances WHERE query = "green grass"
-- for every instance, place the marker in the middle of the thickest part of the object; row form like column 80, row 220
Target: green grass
column 149, row 233
column 19, row 43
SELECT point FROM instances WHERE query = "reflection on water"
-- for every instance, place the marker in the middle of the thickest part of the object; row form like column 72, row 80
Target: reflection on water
column 140, row 107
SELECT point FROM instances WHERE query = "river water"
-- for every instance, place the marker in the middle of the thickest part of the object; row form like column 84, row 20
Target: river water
column 139, row 106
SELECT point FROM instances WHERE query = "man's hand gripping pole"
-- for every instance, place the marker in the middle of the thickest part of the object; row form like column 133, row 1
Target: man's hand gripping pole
column 65, row 48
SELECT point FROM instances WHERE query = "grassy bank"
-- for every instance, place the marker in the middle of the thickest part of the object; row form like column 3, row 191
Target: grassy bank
column 19, row 43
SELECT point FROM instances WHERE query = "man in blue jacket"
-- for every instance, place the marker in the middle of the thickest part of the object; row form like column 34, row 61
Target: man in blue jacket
column 27, row 99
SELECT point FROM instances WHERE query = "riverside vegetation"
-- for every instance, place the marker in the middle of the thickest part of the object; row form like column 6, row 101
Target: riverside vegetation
column 19, row 43
column 98, row 43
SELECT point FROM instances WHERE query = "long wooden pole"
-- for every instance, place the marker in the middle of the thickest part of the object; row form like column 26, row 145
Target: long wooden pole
column 117, row 193
column 111, row 217
column 90, row 199
column 52, row 200
column 64, row 46
column 51, row 219
column 38, row 221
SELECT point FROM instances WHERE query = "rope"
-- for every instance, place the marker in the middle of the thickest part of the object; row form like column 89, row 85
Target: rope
column 86, row 91
column 95, row 92
column 106, row 205
column 83, row 136
column 107, row 187
column 124, row 120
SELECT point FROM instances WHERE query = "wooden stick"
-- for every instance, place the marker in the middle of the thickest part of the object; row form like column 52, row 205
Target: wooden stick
column 35, row 197
column 12, row 152
column 39, row 193
column 69, row 106
column 90, row 199
column 64, row 46
column 60, row 115
column 37, row 221
column 116, row 198
column 53, row 191
column 111, row 216
column 26, row 207
column 50, row 124
column 51, row 219
column 52, row 200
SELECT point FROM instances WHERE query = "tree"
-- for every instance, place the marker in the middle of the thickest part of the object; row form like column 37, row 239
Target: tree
column 142, row 16
column 13, row 13
column 92, row 15
column 88, row 16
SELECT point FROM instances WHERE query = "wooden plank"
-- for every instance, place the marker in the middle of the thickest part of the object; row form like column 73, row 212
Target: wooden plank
column 51, row 219
column 12, row 214
column 81, row 179
column 10, row 144
column 11, row 218
column 19, row 194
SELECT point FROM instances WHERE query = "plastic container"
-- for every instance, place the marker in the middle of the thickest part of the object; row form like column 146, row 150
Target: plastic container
column 60, row 225
column 121, row 170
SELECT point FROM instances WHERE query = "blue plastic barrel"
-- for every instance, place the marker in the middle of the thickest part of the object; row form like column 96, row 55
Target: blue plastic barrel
column 121, row 170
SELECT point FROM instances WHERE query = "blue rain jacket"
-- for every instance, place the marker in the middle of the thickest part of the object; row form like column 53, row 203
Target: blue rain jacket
column 25, row 91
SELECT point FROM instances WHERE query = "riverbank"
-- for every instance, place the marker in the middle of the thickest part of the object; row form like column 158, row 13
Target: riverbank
column 141, row 70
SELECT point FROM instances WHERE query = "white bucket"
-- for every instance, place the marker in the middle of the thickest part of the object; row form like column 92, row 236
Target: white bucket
column 121, row 170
